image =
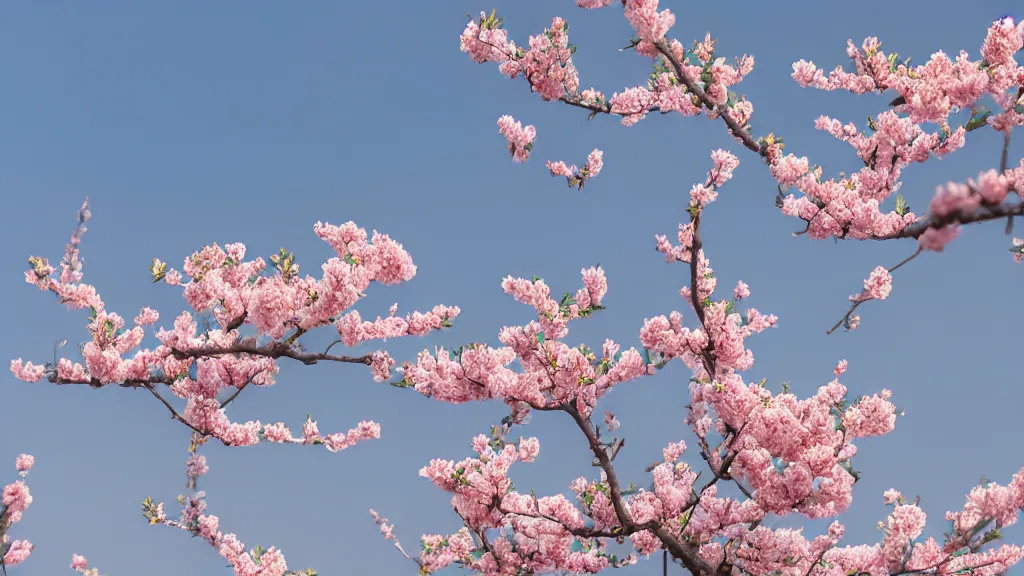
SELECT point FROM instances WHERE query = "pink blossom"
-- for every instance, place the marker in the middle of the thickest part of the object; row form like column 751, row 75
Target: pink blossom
column 16, row 496
column 878, row 286
column 23, row 463
column 520, row 140
column 27, row 371
column 840, row 368
column 650, row 25
column 17, row 553
column 528, row 449
column 935, row 239
column 146, row 317
column 575, row 176
column 891, row 496
column 381, row 364
column 742, row 291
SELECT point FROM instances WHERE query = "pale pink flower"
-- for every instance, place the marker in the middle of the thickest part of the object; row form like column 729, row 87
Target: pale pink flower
column 878, row 286
column 24, row 462
column 840, row 368
column 27, row 371
column 528, row 449
column 892, row 496
column 520, row 140
column 742, row 291
column 18, row 552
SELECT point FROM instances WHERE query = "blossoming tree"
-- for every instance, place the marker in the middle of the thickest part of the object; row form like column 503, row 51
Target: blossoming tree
column 783, row 455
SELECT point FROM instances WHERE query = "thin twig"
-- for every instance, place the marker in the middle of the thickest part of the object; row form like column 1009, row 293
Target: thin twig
column 174, row 413
column 859, row 302
column 1006, row 150
column 235, row 393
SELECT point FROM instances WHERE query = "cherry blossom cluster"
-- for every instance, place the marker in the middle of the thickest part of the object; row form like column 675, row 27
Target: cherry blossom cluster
column 200, row 366
column 930, row 93
column 14, row 499
column 854, row 206
column 80, row 564
column 576, row 176
column 548, row 68
column 520, row 140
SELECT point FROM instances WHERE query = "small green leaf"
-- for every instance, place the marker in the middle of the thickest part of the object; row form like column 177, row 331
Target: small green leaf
column 978, row 119
column 901, row 204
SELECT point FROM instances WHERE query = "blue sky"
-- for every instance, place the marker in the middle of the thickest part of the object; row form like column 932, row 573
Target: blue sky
column 190, row 123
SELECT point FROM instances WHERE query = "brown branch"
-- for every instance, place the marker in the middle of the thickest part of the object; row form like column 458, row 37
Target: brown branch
column 689, row 557
column 1006, row 150
column 174, row 413
column 237, row 323
column 235, row 393
column 983, row 214
column 738, row 131
column 132, row 383
column 707, row 355
column 585, row 532
column 272, row 350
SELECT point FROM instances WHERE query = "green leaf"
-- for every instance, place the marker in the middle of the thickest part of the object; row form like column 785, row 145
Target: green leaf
column 540, row 337
column 901, row 204
column 978, row 120
column 567, row 300
column 849, row 468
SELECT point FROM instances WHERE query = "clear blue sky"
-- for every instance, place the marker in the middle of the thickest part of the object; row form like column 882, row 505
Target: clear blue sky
column 188, row 123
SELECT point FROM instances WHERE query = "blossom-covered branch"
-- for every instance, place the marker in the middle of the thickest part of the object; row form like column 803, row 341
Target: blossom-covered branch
column 199, row 366
column 14, row 499
column 194, row 520
column 694, row 81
